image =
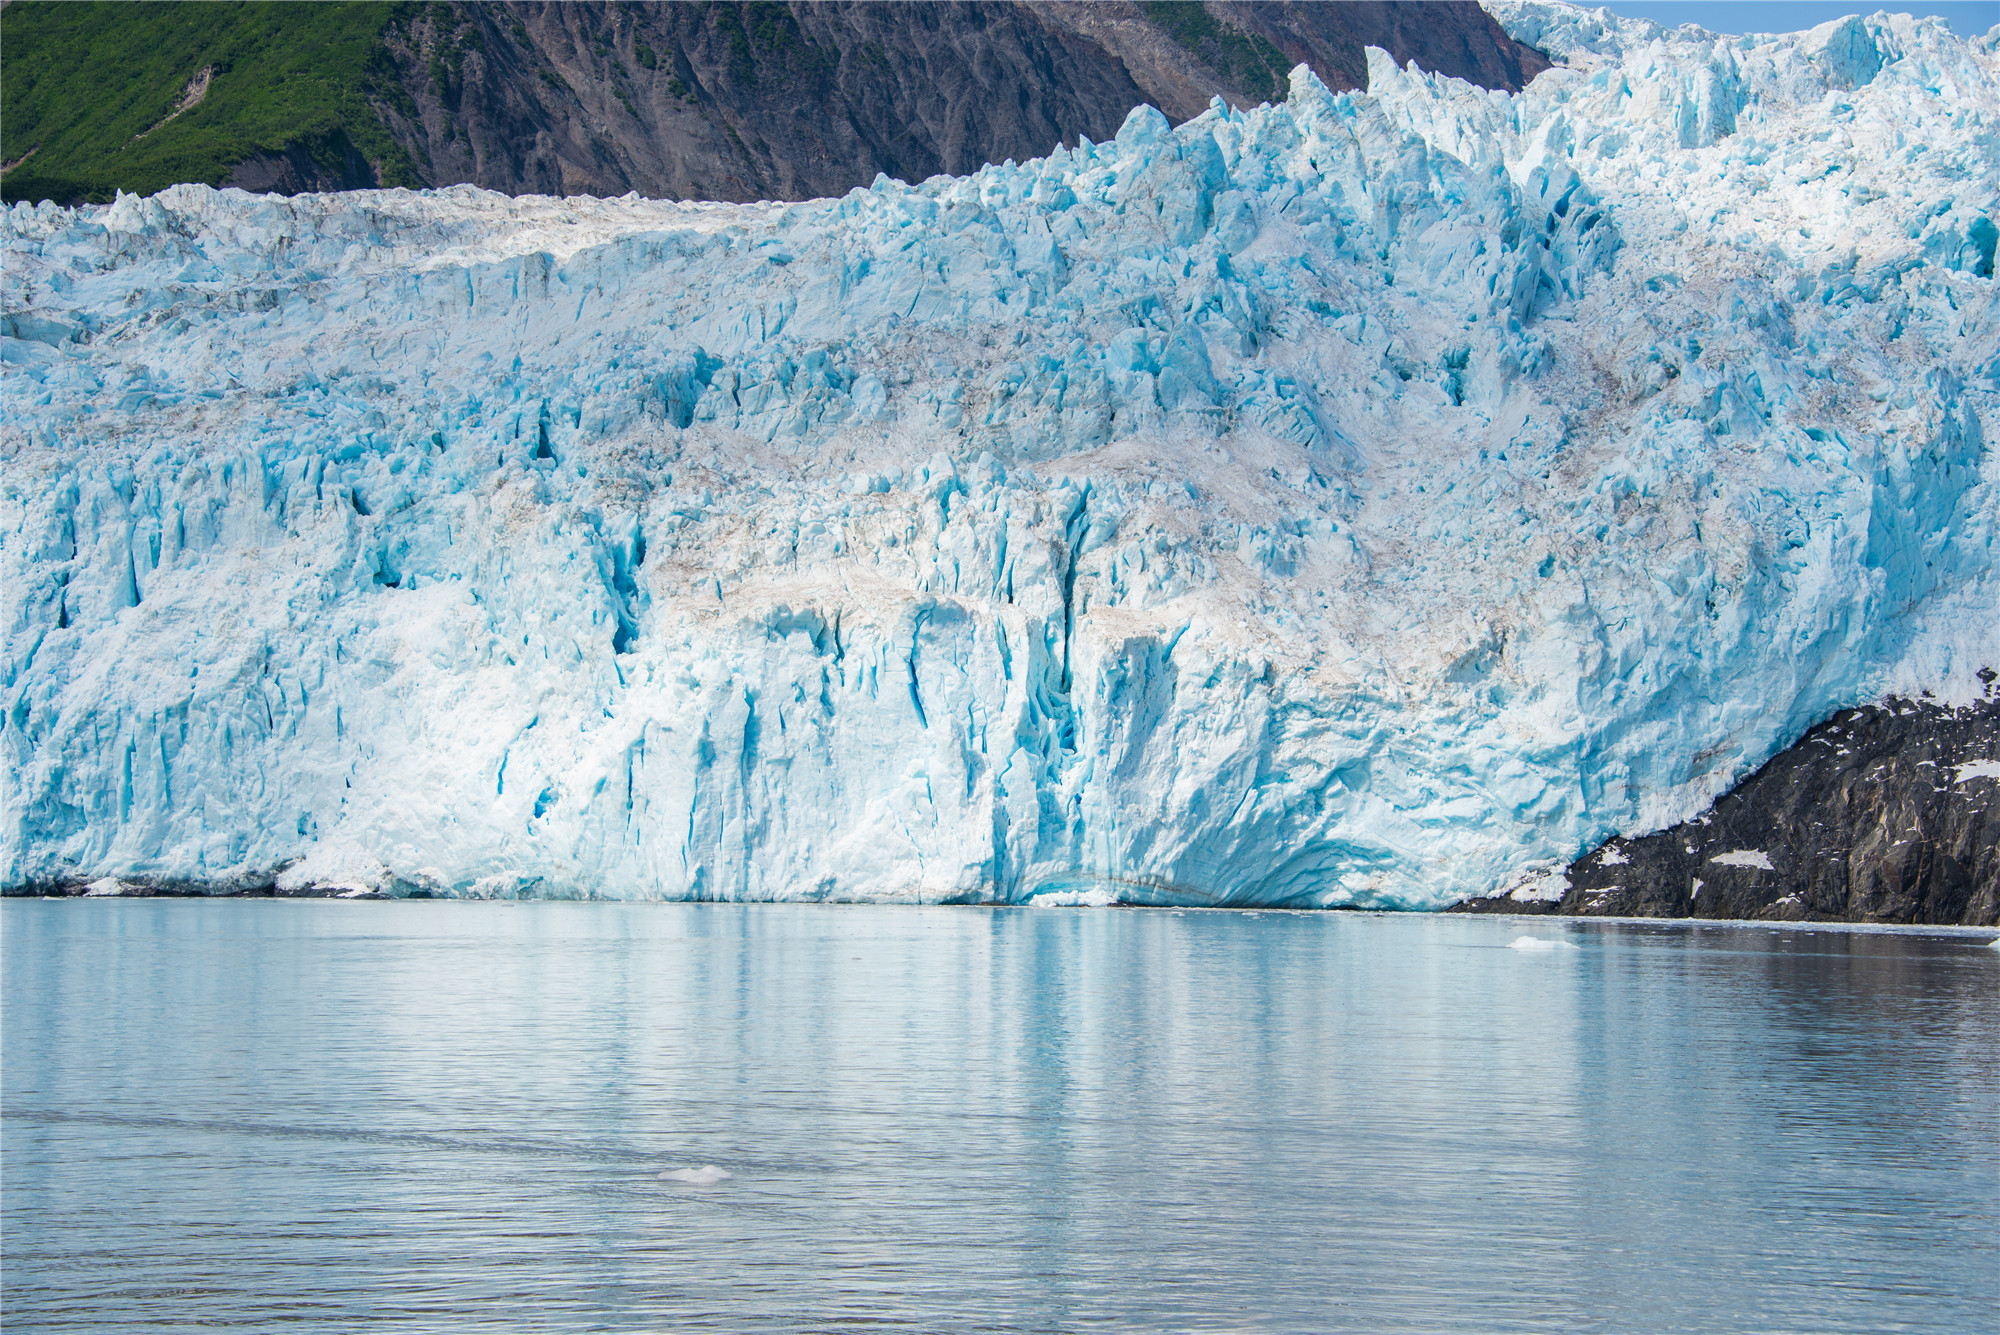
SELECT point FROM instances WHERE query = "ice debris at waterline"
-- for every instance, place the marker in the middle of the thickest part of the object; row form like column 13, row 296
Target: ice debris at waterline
column 1365, row 500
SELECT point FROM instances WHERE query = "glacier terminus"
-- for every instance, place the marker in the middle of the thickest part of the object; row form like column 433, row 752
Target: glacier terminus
column 1370, row 499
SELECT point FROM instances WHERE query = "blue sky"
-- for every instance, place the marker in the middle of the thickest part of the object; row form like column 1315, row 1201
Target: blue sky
column 1967, row 17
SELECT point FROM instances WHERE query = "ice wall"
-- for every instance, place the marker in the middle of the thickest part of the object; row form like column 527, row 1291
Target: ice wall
column 1373, row 499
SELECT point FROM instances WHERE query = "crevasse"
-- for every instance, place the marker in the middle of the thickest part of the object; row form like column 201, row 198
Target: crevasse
column 1373, row 499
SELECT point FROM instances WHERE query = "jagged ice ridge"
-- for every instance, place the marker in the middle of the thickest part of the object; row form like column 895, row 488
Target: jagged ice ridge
column 1373, row 499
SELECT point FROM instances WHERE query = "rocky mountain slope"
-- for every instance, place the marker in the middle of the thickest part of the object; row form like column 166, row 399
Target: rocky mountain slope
column 720, row 100
column 1366, row 500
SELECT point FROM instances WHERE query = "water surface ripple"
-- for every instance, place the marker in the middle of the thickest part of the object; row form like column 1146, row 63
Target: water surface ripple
column 438, row 1116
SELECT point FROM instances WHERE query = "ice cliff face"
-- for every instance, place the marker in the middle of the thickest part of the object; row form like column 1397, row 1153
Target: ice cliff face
column 1371, row 499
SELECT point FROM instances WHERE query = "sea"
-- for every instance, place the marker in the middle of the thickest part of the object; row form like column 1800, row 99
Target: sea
column 272, row 1115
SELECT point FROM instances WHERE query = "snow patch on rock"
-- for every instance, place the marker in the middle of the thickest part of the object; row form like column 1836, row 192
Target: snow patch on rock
column 1540, row 885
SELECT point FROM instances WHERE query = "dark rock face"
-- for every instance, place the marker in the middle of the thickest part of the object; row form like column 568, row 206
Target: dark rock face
column 745, row 101
column 1460, row 40
column 1882, row 814
column 740, row 102
column 339, row 165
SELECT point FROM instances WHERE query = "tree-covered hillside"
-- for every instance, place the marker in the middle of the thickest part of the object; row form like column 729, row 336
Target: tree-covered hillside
column 91, row 91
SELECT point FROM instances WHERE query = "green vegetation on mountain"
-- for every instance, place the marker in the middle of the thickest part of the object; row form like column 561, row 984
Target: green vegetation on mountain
column 1257, row 67
column 90, row 92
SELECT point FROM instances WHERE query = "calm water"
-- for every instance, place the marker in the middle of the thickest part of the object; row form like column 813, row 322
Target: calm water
column 326, row 1116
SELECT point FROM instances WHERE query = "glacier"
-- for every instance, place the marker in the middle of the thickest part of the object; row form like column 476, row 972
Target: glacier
column 1368, row 500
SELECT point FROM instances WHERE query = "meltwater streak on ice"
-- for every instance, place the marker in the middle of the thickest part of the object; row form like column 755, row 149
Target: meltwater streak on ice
column 1371, row 499
column 329, row 1116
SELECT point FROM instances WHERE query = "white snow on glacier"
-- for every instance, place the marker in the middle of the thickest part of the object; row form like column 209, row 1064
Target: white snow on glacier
column 1373, row 499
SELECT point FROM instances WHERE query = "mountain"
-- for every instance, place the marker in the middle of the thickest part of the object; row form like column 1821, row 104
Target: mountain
column 729, row 101
column 1365, row 500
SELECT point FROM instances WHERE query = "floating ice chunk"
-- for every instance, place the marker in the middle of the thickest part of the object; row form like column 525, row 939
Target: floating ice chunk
column 1745, row 857
column 1539, row 943
column 707, row 1175
column 1978, row 769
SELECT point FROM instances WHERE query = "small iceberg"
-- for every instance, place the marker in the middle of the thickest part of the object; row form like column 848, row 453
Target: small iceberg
column 1539, row 943
column 705, row 1176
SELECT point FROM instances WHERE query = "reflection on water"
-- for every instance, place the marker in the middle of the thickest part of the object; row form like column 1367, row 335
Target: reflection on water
column 323, row 1115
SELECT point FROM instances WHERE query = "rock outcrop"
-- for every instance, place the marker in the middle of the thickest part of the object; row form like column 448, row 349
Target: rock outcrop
column 1887, row 813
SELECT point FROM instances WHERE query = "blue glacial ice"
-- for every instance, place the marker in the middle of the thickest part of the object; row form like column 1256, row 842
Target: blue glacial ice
column 1368, row 500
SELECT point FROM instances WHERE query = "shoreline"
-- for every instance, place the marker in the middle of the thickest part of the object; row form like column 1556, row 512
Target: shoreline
column 1524, row 919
